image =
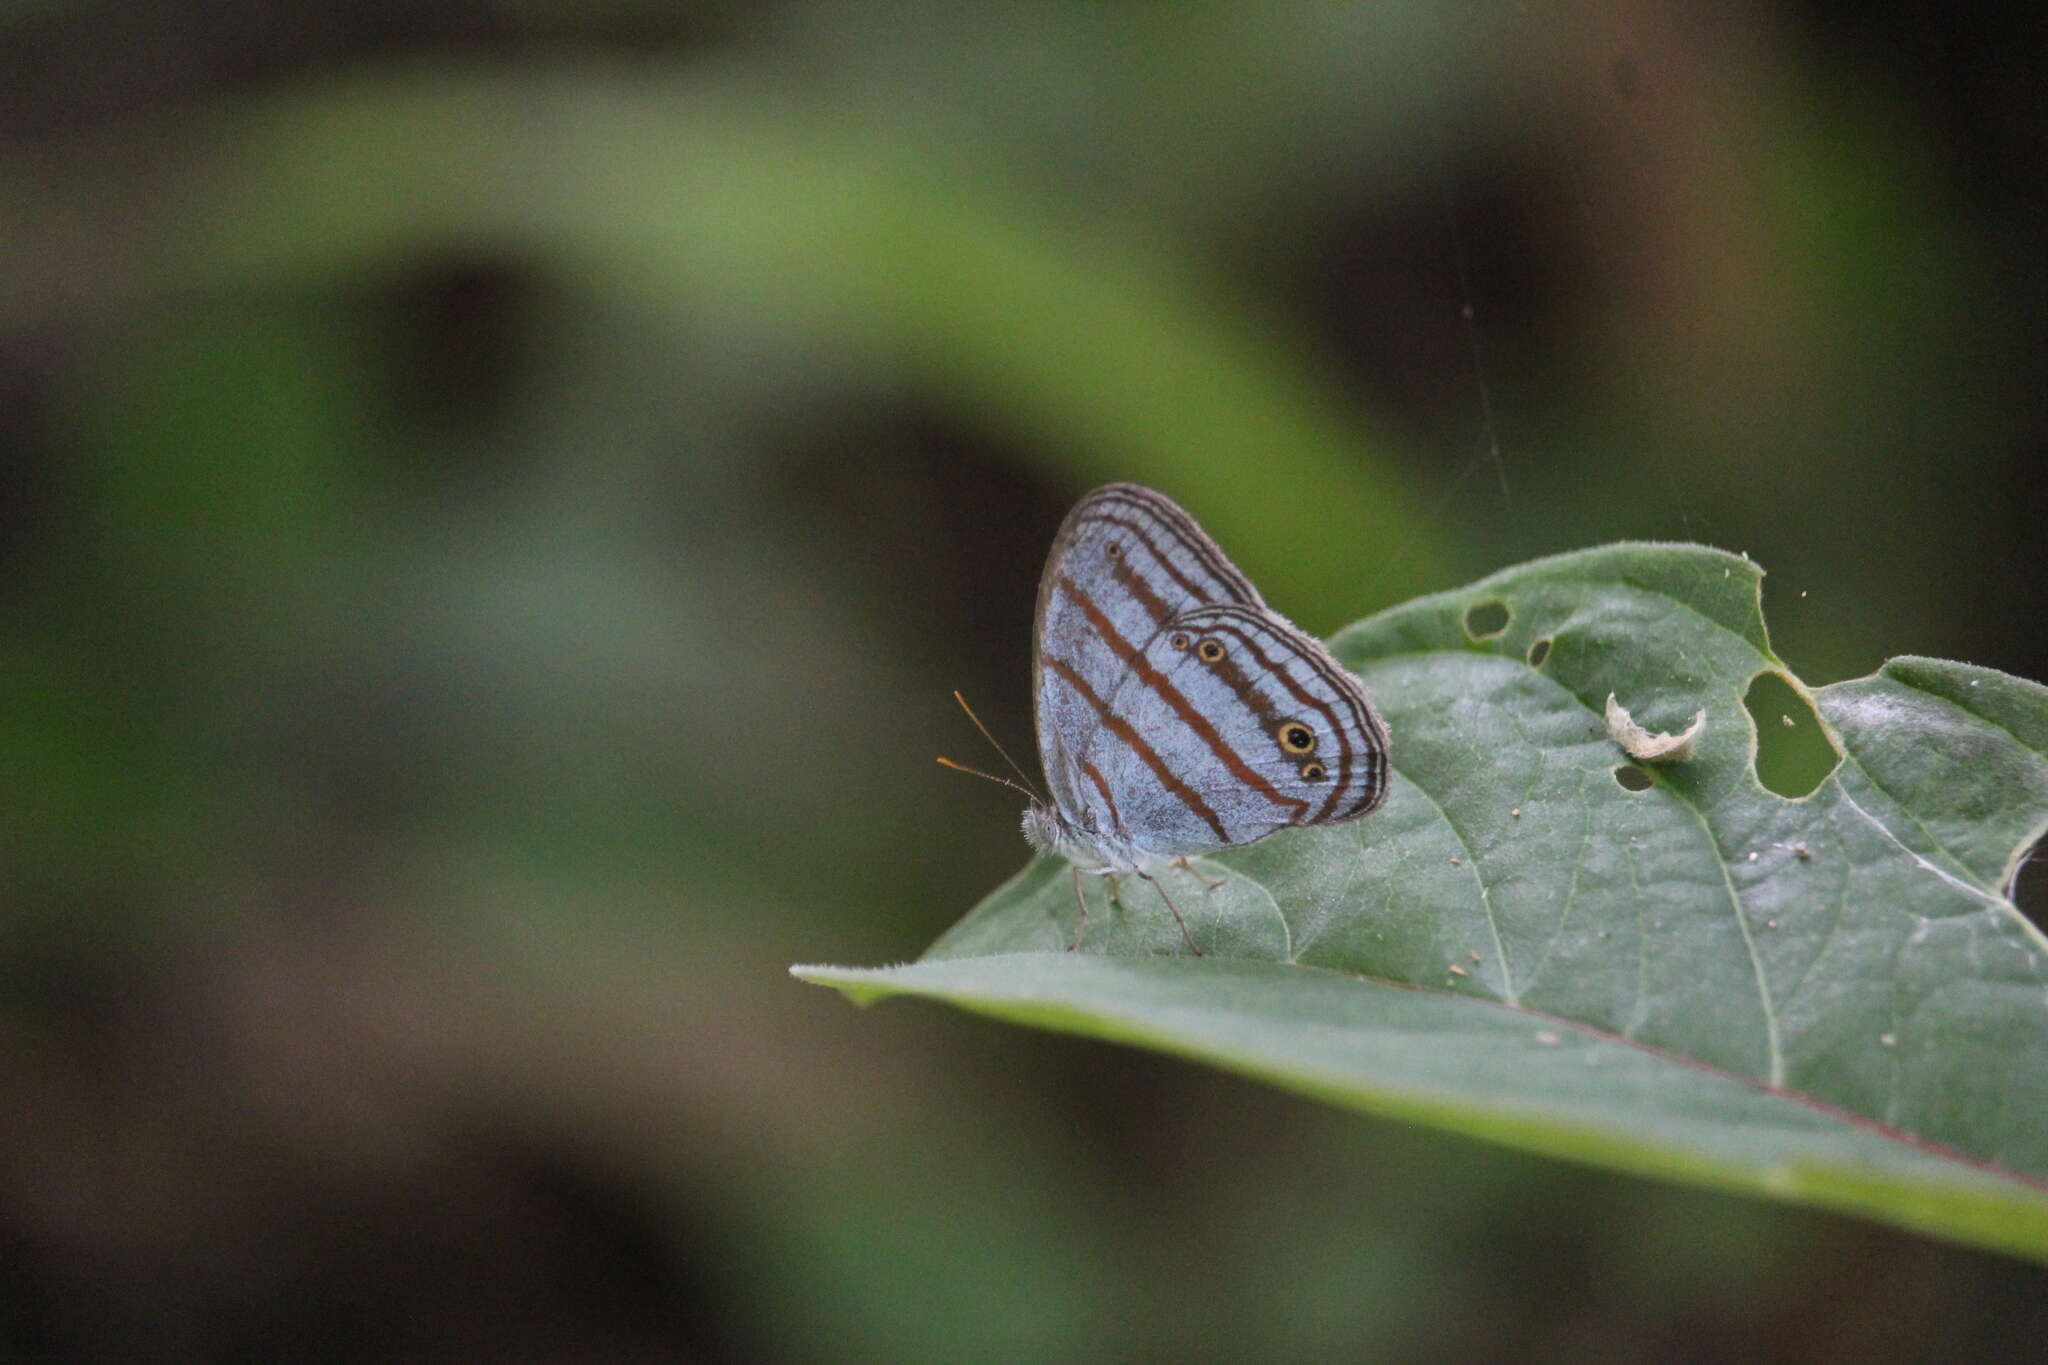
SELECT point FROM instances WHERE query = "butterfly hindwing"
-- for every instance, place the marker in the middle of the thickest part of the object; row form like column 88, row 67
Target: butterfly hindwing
column 1233, row 724
column 1303, row 731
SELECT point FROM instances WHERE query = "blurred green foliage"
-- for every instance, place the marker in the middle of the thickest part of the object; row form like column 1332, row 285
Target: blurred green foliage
column 498, row 498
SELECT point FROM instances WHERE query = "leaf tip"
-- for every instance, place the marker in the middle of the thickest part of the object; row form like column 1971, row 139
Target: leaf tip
column 855, row 983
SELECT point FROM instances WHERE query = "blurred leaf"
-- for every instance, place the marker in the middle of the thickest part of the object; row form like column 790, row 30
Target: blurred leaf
column 1109, row 353
column 1829, row 1000
column 218, row 468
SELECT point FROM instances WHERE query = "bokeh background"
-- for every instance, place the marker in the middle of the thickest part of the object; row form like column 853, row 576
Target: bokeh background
column 495, row 500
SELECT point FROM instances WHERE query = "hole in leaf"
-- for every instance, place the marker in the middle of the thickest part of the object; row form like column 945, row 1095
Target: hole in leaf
column 1633, row 778
column 1793, row 755
column 1485, row 620
column 2029, row 889
column 1538, row 652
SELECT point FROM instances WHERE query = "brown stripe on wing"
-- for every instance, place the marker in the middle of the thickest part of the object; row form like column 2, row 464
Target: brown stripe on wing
column 1341, row 682
column 1134, row 583
column 1370, row 765
column 1094, row 774
column 1192, row 537
column 1171, row 695
column 1135, row 742
column 1231, row 676
column 1183, row 528
column 1372, row 769
column 1146, row 511
column 1274, row 668
column 1142, row 534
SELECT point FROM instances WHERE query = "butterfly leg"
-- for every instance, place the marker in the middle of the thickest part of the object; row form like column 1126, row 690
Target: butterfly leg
column 1187, row 865
column 1081, row 902
column 1184, row 932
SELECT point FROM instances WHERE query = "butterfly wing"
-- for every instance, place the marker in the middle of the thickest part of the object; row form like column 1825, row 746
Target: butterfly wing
column 1175, row 710
column 1126, row 561
column 1289, row 737
column 1232, row 725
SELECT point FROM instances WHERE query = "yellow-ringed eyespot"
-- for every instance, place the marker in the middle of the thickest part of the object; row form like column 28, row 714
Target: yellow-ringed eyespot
column 1115, row 549
column 1295, row 738
column 1179, row 639
column 1312, row 771
column 1209, row 651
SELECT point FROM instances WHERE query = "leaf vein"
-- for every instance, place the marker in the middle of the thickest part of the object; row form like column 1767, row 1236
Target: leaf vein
column 1507, row 975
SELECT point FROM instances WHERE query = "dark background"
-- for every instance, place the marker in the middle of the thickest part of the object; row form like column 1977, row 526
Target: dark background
column 496, row 499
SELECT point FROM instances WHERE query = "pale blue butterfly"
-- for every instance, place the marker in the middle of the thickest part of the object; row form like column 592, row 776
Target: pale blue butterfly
column 1177, row 713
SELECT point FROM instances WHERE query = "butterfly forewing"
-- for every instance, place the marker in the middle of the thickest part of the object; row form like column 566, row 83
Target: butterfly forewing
column 1125, row 560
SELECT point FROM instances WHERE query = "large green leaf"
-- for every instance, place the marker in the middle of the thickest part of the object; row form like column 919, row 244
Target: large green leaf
column 1830, row 999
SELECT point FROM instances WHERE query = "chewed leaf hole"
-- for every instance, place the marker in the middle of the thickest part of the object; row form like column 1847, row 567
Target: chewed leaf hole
column 1485, row 620
column 1539, row 651
column 2029, row 889
column 1793, row 755
column 1633, row 778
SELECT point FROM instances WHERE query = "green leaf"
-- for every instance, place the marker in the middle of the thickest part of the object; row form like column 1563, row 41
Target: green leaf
column 1830, row 999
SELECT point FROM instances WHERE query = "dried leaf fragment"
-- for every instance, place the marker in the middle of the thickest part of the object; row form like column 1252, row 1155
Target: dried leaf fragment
column 1645, row 747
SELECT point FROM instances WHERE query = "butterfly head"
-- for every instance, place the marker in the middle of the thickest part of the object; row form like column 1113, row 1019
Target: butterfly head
column 1043, row 829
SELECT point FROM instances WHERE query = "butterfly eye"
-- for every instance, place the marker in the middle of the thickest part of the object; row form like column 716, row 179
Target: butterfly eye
column 1312, row 772
column 1209, row 651
column 1179, row 641
column 1295, row 737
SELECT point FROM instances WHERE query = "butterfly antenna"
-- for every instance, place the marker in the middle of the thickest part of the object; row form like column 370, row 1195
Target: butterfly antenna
column 976, row 772
column 1028, row 789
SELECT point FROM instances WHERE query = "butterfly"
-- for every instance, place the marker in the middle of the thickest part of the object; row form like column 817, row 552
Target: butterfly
column 1177, row 713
